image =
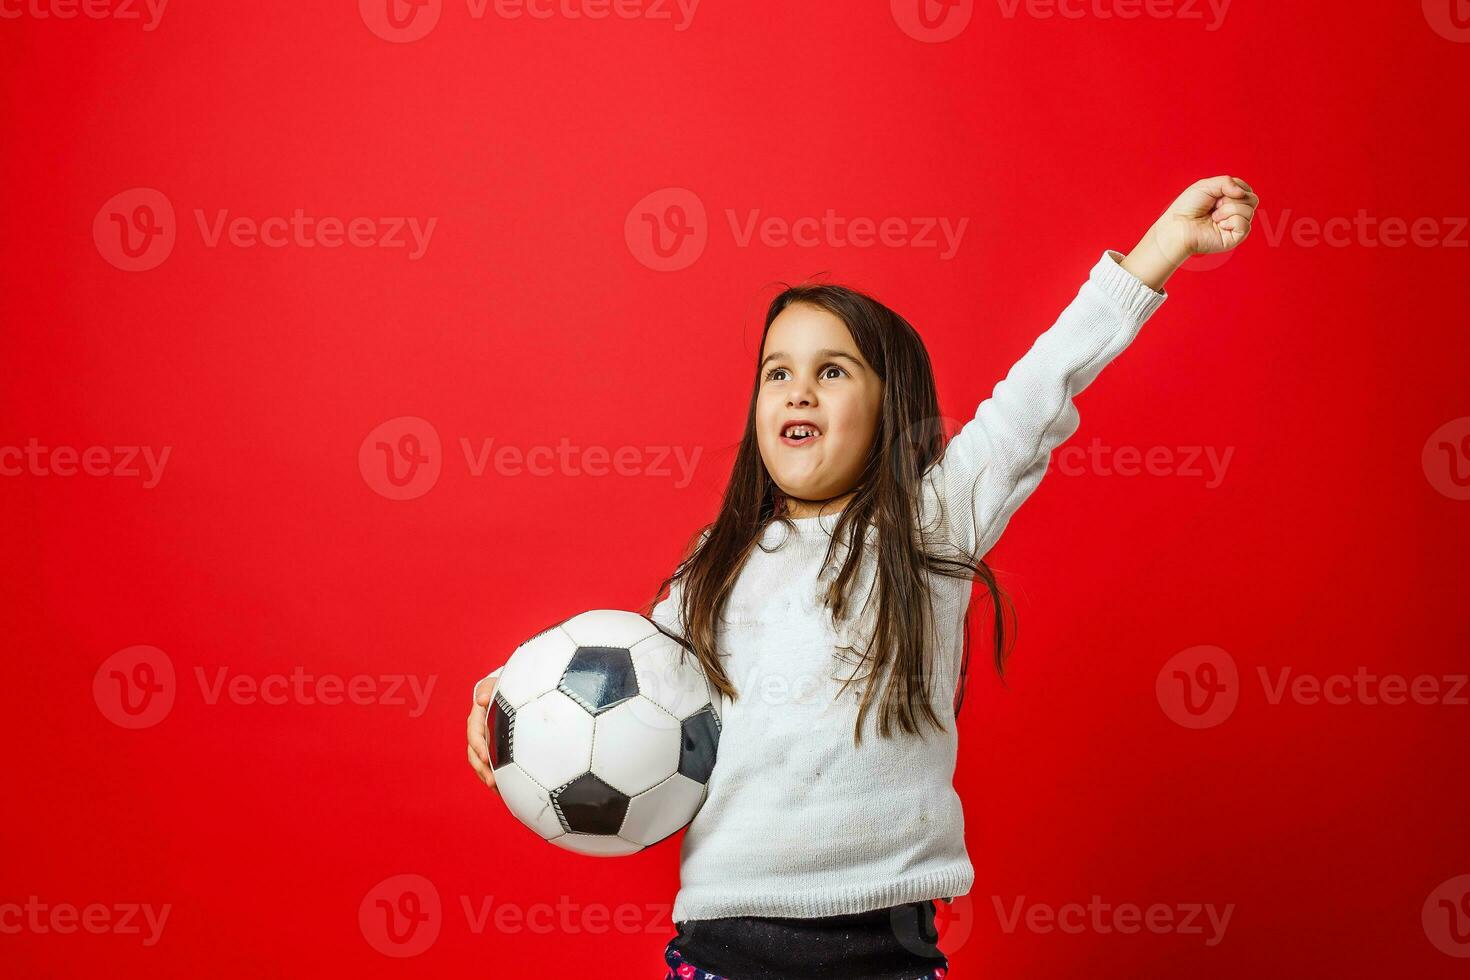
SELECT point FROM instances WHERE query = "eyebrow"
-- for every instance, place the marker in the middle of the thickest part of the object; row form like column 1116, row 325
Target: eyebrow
column 824, row 352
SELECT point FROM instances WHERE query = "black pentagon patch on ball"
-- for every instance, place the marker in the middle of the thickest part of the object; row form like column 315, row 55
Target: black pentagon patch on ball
column 599, row 677
column 502, row 723
column 700, row 738
column 587, row 805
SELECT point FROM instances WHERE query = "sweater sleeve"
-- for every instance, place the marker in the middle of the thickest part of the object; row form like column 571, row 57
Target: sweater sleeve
column 998, row 458
column 669, row 613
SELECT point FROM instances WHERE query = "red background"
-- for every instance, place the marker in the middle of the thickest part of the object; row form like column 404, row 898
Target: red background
column 1326, row 547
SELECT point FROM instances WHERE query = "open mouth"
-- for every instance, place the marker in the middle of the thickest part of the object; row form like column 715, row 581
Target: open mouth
column 800, row 433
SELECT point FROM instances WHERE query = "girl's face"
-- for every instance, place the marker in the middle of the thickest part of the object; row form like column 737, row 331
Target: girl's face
column 812, row 373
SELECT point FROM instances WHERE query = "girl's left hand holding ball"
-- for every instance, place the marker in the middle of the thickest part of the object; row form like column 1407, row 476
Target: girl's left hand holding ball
column 479, row 733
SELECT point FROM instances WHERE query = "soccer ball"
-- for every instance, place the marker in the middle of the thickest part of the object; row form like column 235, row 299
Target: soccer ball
column 603, row 733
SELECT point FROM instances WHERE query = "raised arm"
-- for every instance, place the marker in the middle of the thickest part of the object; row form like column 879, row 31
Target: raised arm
column 998, row 458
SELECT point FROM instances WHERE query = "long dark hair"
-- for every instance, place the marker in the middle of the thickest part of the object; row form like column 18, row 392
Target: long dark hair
column 909, row 438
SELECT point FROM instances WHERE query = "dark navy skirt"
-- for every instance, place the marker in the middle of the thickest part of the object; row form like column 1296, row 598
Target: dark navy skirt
column 898, row 943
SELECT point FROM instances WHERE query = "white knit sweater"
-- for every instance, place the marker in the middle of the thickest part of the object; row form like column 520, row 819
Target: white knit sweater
column 799, row 823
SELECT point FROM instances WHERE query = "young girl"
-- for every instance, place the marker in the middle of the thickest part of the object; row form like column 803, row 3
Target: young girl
column 850, row 535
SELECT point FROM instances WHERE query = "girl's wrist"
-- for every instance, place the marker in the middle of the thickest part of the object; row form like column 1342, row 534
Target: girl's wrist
column 1151, row 262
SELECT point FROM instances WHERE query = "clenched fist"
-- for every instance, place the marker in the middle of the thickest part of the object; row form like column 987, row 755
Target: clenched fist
column 1212, row 215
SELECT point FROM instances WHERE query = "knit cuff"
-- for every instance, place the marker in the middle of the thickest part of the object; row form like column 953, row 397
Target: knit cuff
column 1131, row 294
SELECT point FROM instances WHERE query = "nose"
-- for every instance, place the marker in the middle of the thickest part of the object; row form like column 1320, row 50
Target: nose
column 801, row 395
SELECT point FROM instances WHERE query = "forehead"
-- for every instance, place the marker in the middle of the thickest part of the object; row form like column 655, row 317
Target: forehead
column 802, row 328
